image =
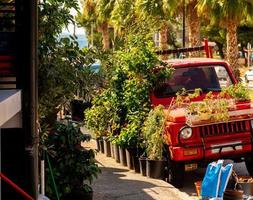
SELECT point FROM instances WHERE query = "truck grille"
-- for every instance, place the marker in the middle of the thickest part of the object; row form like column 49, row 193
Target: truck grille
column 223, row 128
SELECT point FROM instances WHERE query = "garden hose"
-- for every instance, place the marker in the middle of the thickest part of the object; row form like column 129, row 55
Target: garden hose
column 52, row 175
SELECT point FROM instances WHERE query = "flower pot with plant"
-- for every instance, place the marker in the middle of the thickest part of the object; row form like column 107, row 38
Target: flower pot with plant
column 73, row 167
column 240, row 94
column 127, row 141
column 102, row 120
column 153, row 138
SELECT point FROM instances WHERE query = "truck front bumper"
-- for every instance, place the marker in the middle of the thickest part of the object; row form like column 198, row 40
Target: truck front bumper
column 214, row 150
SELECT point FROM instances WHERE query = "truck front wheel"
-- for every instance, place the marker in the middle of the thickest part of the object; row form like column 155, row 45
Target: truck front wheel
column 176, row 173
column 249, row 165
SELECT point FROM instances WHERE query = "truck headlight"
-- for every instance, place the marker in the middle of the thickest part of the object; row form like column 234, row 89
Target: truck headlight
column 185, row 132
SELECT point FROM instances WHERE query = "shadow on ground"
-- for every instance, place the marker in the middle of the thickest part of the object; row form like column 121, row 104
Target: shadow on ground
column 115, row 185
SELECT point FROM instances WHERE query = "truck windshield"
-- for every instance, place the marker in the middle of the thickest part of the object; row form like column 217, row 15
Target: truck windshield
column 208, row 78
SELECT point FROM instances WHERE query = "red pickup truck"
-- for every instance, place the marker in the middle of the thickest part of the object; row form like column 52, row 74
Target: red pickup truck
column 190, row 146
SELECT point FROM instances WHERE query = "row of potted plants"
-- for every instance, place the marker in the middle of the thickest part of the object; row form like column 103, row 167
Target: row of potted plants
column 119, row 111
column 147, row 157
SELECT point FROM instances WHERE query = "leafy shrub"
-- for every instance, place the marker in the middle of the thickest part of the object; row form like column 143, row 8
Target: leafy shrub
column 102, row 117
column 153, row 133
column 74, row 167
column 239, row 92
column 133, row 76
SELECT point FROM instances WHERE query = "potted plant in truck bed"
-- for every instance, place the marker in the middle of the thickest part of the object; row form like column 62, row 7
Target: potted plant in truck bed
column 240, row 94
column 153, row 138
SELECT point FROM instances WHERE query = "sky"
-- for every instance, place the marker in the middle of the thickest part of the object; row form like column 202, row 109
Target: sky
column 70, row 29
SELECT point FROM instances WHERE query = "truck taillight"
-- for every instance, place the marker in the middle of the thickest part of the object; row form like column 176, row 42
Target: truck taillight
column 185, row 132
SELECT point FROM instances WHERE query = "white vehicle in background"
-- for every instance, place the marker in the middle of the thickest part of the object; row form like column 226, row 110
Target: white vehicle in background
column 249, row 75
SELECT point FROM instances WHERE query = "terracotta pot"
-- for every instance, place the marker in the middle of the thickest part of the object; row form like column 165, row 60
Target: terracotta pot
column 233, row 195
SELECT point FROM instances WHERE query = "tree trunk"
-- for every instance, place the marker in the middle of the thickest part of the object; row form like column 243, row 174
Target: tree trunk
column 194, row 26
column 220, row 49
column 163, row 40
column 106, row 36
column 232, row 48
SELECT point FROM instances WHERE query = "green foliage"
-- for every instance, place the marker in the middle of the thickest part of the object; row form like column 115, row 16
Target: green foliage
column 102, row 117
column 63, row 68
column 239, row 92
column 129, row 136
column 153, row 133
column 74, row 167
column 213, row 107
column 132, row 78
column 138, row 61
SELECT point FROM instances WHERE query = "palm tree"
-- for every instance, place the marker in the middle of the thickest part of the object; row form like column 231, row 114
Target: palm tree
column 96, row 14
column 228, row 14
column 193, row 22
column 161, row 11
column 103, row 10
column 88, row 18
column 123, row 15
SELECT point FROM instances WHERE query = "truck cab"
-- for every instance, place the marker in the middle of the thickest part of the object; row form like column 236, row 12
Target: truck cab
column 190, row 146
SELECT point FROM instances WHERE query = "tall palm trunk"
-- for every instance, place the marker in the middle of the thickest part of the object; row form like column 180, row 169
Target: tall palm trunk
column 105, row 35
column 163, row 40
column 193, row 22
column 232, row 47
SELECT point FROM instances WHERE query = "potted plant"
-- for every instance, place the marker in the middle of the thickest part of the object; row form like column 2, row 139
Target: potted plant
column 102, row 118
column 240, row 94
column 212, row 108
column 73, row 167
column 153, row 137
column 78, row 107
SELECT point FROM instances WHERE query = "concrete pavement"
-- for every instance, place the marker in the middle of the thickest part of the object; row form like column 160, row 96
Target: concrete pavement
column 117, row 182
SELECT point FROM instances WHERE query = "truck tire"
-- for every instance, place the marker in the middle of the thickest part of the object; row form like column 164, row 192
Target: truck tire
column 249, row 165
column 176, row 173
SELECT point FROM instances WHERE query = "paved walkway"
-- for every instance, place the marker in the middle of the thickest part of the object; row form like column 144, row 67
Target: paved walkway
column 117, row 182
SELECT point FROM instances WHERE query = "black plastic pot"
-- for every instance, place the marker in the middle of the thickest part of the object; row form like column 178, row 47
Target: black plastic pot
column 155, row 168
column 136, row 163
column 107, row 147
column 112, row 149
column 129, row 155
column 142, row 163
column 122, row 156
column 97, row 143
column 78, row 195
column 116, row 153
column 101, row 145
column 77, row 109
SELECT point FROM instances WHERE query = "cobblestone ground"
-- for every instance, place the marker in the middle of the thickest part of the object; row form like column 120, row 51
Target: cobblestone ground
column 119, row 183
